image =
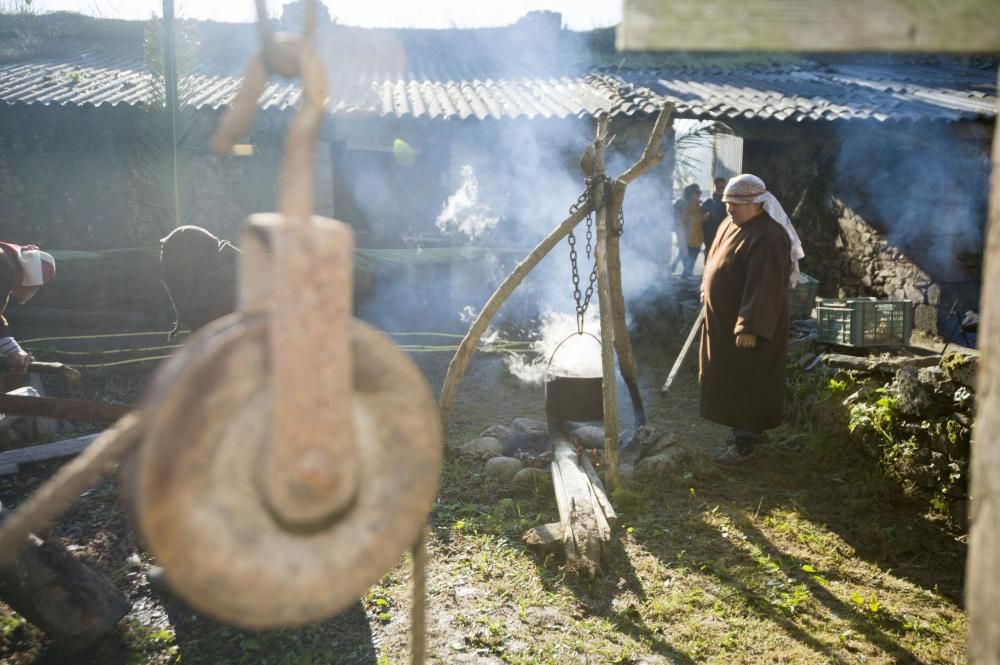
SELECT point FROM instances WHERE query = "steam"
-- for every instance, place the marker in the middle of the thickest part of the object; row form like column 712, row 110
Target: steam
column 580, row 355
column 464, row 212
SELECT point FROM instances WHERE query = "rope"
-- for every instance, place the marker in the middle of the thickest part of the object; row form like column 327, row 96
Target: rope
column 101, row 336
column 59, row 491
column 130, row 361
column 418, row 616
column 107, row 352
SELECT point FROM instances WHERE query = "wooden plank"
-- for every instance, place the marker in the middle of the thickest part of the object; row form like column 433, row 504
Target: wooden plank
column 12, row 459
column 583, row 535
column 600, row 496
column 982, row 586
column 564, row 504
column 956, row 26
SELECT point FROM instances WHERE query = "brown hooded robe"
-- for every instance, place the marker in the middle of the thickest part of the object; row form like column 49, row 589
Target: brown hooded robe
column 746, row 291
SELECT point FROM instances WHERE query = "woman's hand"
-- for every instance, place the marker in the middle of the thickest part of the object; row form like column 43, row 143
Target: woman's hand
column 746, row 341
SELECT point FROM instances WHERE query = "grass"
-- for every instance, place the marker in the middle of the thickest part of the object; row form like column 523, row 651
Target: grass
column 806, row 555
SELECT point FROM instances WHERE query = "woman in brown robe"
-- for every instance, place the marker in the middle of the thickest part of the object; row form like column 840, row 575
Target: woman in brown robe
column 744, row 339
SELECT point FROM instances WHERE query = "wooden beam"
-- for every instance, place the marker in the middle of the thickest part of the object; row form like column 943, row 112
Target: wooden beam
column 957, row 26
column 64, row 409
column 982, row 586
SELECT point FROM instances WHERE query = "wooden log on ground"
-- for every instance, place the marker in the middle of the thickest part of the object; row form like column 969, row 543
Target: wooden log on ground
column 584, row 534
column 545, row 539
column 877, row 365
column 11, row 460
column 63, row 596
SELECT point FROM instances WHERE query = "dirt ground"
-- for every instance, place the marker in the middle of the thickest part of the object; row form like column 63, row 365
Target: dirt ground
column 803, row 555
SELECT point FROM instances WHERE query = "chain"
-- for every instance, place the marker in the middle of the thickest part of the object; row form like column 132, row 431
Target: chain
column 583, row 299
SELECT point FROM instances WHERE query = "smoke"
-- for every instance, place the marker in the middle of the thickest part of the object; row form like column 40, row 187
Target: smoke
column 464, row 212
column 923, row 187
column 499, row 187
column 558, row 343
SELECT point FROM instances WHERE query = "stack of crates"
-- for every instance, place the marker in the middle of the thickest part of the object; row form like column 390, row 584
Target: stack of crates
column 802, row 297
column 863, row 322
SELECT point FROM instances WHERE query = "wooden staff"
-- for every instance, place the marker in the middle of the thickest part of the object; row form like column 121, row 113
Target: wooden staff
column 684, row 351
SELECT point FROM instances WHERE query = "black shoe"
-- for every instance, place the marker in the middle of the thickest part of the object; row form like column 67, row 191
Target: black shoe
column 734, row 454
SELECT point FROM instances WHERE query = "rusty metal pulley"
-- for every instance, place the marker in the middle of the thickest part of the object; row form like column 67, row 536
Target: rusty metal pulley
column 290, row 454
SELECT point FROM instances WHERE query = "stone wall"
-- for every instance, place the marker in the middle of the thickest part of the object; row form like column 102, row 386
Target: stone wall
column 81, row 182
column 853, row 247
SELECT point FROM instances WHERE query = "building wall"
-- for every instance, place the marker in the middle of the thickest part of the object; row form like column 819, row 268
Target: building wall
column 82, row 182
column 857, row 246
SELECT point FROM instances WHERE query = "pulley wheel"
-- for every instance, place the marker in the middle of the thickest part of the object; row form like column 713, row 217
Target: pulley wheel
column 195, row 480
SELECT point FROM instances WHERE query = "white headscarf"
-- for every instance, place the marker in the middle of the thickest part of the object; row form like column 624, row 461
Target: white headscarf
column 37, row 267
column 746, row 188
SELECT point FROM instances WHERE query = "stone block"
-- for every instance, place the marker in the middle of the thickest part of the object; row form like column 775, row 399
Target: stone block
column 503, row 468
column 484, row 447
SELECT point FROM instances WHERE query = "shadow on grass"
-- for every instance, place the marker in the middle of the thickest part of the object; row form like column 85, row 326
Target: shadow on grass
column 344, row 639
column 596, row 597
column 841, row 490
column 864, row 510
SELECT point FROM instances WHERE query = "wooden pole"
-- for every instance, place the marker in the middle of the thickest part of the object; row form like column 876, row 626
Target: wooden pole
column 460, row 362
column 170, row 92
column 982, row 590
column 604, row 295
column 623, row 345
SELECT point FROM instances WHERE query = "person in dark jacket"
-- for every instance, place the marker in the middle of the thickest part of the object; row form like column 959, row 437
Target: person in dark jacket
column 744, row 340
column 714, row 210
column 200, row 273
column 23, row 270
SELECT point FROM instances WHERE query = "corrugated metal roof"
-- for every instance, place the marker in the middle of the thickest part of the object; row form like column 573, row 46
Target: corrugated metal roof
column 902, row 91
column 389, row 81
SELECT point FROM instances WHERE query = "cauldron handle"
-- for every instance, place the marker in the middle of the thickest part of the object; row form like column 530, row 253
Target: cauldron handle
column 567, row 338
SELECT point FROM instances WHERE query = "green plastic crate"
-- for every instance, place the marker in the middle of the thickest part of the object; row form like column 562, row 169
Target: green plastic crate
column 864, row 322
column 802, row 297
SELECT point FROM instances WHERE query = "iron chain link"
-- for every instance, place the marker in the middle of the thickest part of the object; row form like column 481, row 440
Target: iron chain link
column 586, row 198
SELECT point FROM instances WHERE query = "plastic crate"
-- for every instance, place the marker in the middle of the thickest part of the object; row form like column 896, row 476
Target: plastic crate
column 802, row 297
column 864, row 321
